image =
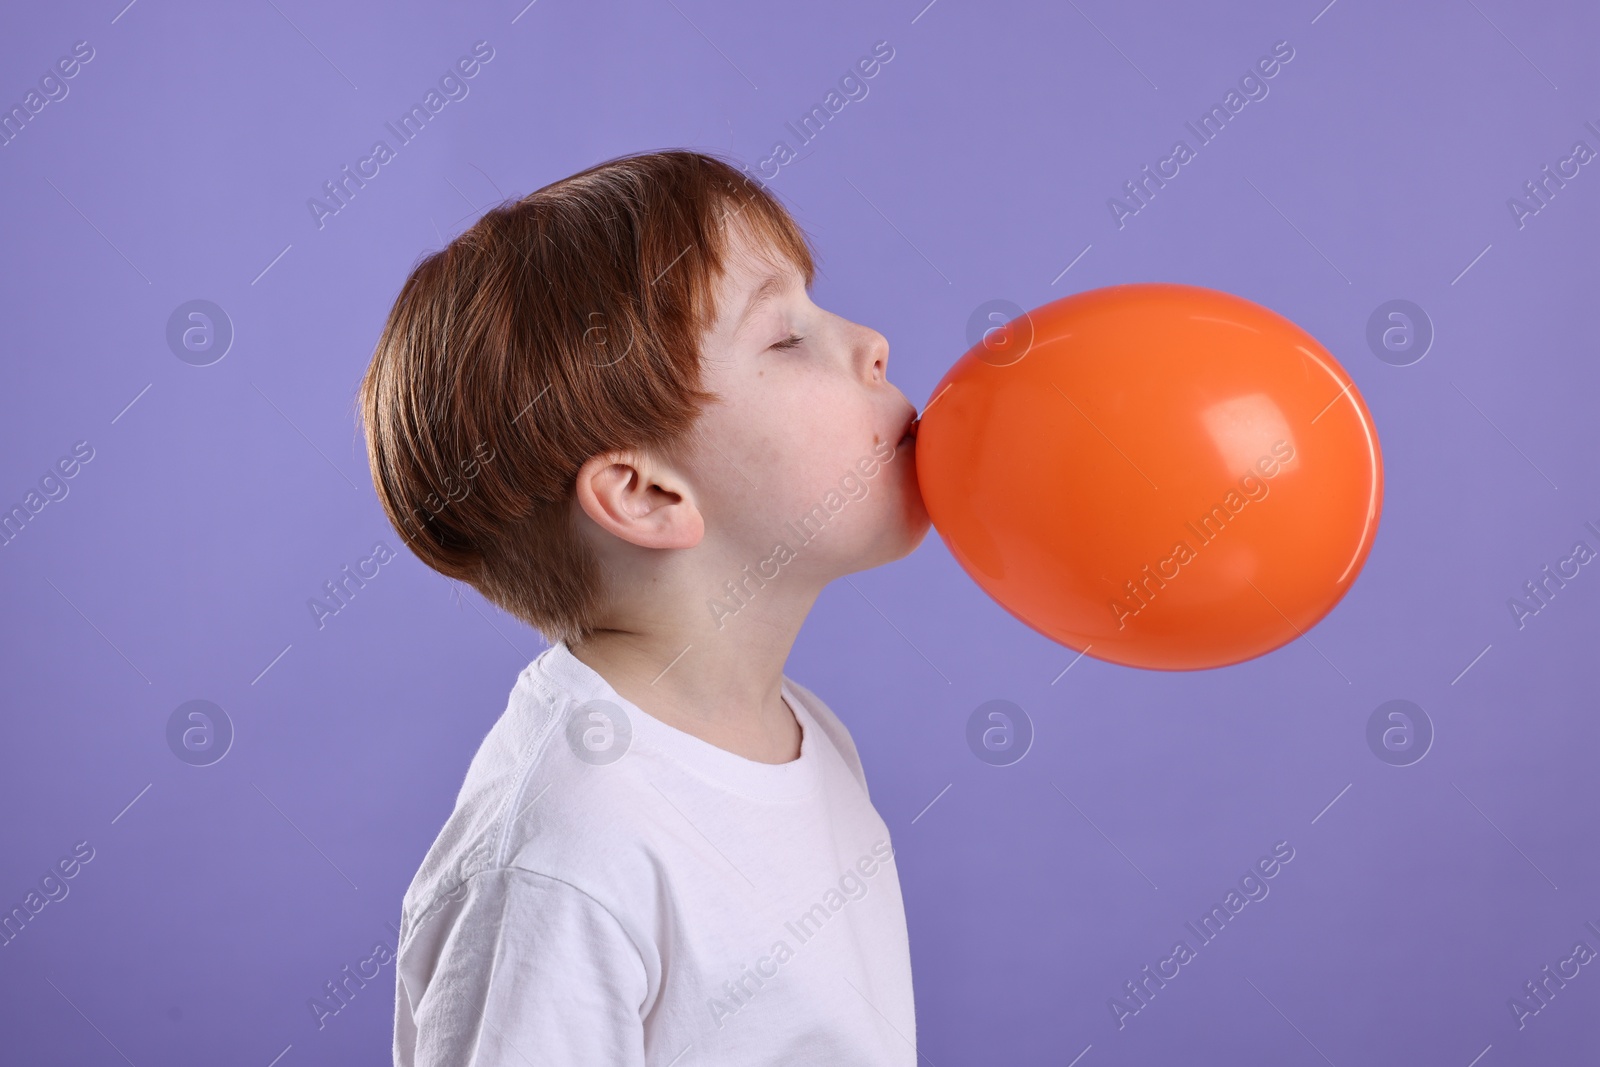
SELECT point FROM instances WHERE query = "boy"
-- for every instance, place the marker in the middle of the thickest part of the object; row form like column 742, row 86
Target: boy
column 612, row 408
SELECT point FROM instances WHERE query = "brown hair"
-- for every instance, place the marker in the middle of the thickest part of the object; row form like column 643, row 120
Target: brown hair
column 558, row 327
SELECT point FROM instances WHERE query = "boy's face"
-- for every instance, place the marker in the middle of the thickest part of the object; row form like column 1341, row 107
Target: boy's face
column 800, row 429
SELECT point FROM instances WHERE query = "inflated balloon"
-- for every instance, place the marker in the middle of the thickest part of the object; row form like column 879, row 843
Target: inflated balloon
column 1162, row 476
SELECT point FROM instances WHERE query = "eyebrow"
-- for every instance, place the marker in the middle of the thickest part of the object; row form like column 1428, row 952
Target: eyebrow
column 770, row 288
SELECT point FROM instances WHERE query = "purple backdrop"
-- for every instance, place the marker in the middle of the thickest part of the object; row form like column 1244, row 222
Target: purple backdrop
column 219, row 481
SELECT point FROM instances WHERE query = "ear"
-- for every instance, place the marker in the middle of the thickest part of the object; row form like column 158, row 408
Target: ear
column 640, row 500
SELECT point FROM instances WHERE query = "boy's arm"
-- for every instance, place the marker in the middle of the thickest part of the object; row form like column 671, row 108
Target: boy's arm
column 530, row 971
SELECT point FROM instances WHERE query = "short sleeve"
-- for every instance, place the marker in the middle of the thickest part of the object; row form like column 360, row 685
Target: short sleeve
column 519, row 968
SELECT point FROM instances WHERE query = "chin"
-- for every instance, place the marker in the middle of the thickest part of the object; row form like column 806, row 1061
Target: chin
column 895, row 536
column 903, row 533
column 916, row 532
column 917, row 519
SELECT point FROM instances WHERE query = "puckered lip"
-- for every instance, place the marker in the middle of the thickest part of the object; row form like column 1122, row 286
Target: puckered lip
column 910, row 431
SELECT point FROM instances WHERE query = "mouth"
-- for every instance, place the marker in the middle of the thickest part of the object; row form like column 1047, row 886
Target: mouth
column 910, row 434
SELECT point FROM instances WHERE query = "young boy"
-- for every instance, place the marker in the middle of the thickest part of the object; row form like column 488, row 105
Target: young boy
column 613, row 409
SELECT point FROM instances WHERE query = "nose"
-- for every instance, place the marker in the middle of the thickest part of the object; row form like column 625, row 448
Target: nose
column 874, row 354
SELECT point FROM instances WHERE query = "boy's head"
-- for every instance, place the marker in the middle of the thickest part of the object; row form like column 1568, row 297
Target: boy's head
column 570, row 409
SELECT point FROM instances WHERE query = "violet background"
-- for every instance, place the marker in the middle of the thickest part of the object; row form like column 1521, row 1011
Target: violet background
column 180, row 564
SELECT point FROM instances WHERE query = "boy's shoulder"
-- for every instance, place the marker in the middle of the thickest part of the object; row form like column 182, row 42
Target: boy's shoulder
column 548, row 791
column 514, row 790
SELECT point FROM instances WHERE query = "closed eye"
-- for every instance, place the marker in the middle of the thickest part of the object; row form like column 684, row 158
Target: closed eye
column 792, row 341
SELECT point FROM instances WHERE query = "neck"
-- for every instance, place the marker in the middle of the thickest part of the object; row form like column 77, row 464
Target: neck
column 715, row 676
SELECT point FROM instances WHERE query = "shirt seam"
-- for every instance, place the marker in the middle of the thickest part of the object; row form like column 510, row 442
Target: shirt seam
column 529, row 871
column 550, row 699
column 590, row 897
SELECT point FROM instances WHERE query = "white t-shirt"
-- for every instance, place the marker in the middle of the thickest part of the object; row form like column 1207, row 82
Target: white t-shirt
column 612, row 890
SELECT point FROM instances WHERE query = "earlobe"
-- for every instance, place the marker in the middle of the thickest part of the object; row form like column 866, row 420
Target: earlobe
column 639, row 501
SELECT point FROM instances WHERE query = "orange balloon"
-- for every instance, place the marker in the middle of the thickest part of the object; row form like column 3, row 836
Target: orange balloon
column 1162, row 476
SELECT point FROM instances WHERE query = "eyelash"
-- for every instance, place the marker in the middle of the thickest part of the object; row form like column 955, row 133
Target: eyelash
column 793, row 341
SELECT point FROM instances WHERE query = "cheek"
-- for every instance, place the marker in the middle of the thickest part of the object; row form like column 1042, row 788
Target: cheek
column 787, row 436
column 807, row 429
